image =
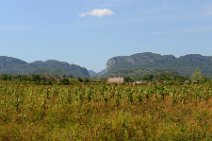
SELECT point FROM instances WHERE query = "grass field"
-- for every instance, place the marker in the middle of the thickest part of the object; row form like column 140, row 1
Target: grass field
column 95, row 112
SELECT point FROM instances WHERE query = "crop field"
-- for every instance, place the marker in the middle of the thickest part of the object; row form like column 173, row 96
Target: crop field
column 103, row 112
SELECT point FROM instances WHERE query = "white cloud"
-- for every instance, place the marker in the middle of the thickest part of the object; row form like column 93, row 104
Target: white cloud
column 97, row 13
column 208, row 11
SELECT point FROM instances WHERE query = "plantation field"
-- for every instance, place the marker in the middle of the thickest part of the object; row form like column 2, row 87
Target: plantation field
column 98, row 111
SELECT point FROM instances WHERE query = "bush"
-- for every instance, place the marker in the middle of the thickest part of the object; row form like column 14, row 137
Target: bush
column 64, row 81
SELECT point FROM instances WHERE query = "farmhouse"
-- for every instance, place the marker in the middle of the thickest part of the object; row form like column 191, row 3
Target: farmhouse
column 117, row 80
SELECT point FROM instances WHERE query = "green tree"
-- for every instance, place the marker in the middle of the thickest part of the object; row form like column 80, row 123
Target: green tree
column 64, row 81
column 148, row 77
column 36, row 78
column 197, row 76
column 128, row 79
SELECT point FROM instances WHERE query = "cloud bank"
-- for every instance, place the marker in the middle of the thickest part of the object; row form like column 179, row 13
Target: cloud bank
column 97, row 13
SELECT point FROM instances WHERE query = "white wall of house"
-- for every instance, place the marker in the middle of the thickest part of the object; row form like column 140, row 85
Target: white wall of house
column 118, row 80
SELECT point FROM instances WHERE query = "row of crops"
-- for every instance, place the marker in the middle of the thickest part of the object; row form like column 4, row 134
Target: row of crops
column 105, row 112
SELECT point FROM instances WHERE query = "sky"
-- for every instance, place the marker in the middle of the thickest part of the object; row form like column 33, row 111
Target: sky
column 89, row 32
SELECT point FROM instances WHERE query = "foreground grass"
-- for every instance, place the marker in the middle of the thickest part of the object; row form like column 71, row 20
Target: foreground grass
column 95, row 112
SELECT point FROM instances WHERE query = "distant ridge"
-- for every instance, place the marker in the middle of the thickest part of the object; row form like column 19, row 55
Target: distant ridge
column 102, row 73
column 9, row 65
column 136, row 65
column 148, row 62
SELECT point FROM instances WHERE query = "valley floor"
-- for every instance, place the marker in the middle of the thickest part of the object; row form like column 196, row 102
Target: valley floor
column 95, row 112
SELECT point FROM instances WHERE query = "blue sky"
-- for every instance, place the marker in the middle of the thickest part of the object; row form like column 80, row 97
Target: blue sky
column 89, row 32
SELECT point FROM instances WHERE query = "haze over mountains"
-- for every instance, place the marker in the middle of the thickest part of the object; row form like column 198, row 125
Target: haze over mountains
column 132, row 66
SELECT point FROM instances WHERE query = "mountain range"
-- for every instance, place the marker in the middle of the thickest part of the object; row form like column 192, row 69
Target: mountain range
column 134, row 66
column 149, row 63
column 9, row 65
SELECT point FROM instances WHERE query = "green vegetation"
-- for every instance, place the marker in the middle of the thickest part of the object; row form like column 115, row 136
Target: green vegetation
column 197, row 76
column 46, row 80
column 98, row 111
